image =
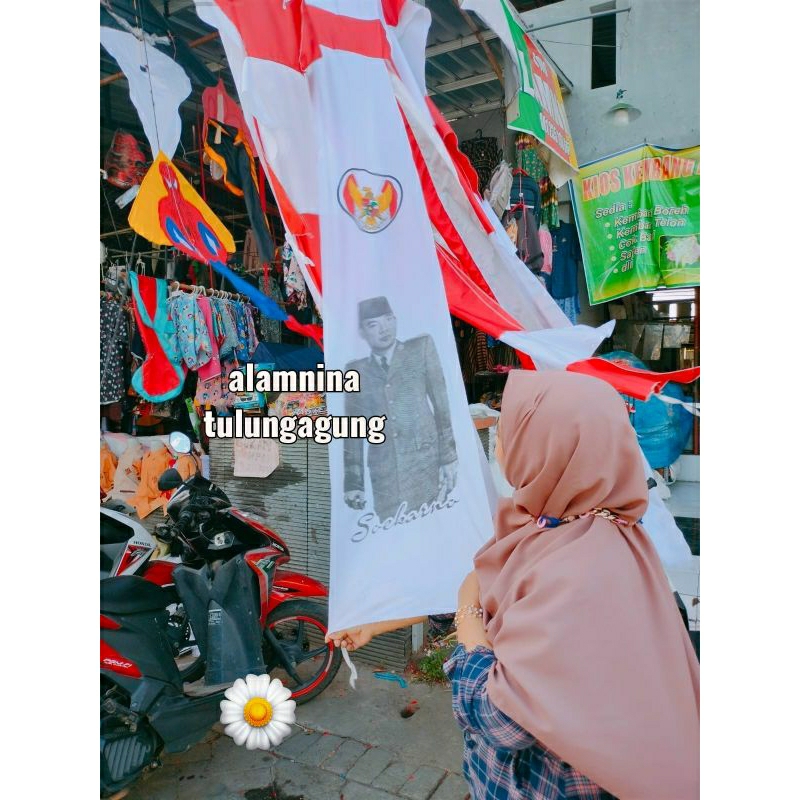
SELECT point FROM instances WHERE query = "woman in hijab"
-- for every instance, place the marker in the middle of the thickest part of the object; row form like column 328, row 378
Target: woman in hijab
column 573, row 670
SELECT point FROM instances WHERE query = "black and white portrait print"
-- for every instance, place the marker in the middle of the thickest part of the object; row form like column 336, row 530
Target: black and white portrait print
column 417, row 463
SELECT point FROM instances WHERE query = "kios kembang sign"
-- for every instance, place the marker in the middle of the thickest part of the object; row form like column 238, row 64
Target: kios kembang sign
column 638, row 216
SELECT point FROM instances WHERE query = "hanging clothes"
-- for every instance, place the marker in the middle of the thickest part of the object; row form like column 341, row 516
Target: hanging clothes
column 525, row 189
column 194, row 339
column 478, row 358
column 108, row 468
column 161, row 375
column 293, row 281
column 251, row 260
column 226, row 147
column 549, row 195
column 148, row 496
column 214, row 393
column 571, row 306
column 529, row 161
column 528, row 244
column 484, row 155
column 212, row 368
column 566, row 258
column 226, row 327
column 113, row 347
column 270, row 285
column 126, row 476
column 498, row 192
column 245, row 330
column 546, row 241
column 219, row 105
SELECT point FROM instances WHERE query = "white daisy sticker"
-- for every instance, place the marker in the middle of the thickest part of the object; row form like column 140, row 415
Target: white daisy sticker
column 258, row 712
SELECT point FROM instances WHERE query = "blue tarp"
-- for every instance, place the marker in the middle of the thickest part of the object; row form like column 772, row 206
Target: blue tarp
column 663, row 429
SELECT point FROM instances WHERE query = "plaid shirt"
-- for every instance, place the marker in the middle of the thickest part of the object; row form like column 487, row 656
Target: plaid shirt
column 502, row 761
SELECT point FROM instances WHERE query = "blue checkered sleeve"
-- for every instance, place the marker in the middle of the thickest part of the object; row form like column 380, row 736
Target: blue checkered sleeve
column 474, row 711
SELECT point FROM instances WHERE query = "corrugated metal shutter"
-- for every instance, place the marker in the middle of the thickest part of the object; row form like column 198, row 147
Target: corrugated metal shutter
column 295, row 500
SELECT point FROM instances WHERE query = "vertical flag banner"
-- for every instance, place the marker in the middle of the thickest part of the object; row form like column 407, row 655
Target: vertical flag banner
column 537, row 106
column 638, row 216
column 405, row 502
column 421, row 490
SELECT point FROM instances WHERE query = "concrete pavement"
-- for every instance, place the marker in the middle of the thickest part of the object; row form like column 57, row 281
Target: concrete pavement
column 349, row 745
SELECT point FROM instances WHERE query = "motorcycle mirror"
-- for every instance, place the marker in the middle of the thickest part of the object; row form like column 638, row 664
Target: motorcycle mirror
column 180, row 442
column 170, row 479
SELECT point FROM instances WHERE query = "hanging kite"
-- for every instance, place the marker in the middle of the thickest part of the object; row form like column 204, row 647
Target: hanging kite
column 157, row 85
column 168, row 211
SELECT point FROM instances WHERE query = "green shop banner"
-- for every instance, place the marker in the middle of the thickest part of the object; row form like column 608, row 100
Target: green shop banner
column 638, row 216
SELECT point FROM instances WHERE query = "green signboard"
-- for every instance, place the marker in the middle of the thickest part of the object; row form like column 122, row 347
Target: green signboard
column 638, row 216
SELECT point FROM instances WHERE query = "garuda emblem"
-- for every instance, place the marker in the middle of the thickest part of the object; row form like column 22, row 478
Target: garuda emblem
column 371, row 200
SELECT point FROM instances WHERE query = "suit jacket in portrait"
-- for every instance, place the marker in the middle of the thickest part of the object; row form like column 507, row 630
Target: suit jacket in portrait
column 419, row 435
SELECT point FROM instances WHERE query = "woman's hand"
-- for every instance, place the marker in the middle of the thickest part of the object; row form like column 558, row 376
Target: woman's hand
column 352, row 638
column 469, row 594
column 359, row 635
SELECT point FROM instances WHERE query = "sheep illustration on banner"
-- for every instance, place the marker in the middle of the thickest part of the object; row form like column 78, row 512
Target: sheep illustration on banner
column 168, row 211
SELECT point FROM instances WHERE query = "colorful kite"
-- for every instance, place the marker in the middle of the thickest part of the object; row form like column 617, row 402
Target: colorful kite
column 168, row 211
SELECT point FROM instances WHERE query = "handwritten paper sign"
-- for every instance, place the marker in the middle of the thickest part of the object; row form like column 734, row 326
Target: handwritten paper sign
column 255, row 458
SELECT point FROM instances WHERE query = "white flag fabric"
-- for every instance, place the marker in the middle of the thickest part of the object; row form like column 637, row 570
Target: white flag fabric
column 157, row 85
column 383, row 287
column 407, row 514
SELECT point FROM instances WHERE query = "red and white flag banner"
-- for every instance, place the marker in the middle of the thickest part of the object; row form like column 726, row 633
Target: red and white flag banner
column 371, row 186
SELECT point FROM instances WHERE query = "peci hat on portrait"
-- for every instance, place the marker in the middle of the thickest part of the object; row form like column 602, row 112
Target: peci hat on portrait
column 374, row 307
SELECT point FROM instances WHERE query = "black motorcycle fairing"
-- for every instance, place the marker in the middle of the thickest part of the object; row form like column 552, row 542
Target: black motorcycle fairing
column 199, row 491
column 224, row 609
column 182, row 722
column 130, row 594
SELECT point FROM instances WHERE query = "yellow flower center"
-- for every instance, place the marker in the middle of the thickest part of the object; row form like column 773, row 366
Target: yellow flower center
column 257, row 712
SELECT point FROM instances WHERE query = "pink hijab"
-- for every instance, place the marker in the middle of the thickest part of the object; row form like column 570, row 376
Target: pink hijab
column 592, row 655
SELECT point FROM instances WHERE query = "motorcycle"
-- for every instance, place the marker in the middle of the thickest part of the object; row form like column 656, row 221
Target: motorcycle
column 247, row 616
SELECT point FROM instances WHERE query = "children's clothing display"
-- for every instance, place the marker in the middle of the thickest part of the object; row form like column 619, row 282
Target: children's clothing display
column 212, row 368
column 162, row 374
column 194, row 338
column 113, row 347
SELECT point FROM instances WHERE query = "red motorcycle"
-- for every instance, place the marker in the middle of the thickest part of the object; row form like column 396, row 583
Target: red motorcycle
column 204, row 527
column 228, row 597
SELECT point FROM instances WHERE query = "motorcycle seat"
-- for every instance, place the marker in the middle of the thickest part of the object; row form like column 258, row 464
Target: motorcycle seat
column 129, row 594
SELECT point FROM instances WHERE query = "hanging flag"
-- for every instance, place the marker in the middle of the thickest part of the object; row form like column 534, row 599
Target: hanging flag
column 262, row 42
column 420, row 489
column 157, row 85
column 537, row 106
column 168, row 211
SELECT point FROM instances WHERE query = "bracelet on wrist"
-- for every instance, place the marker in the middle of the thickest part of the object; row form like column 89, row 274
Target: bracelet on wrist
column 467, row 611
